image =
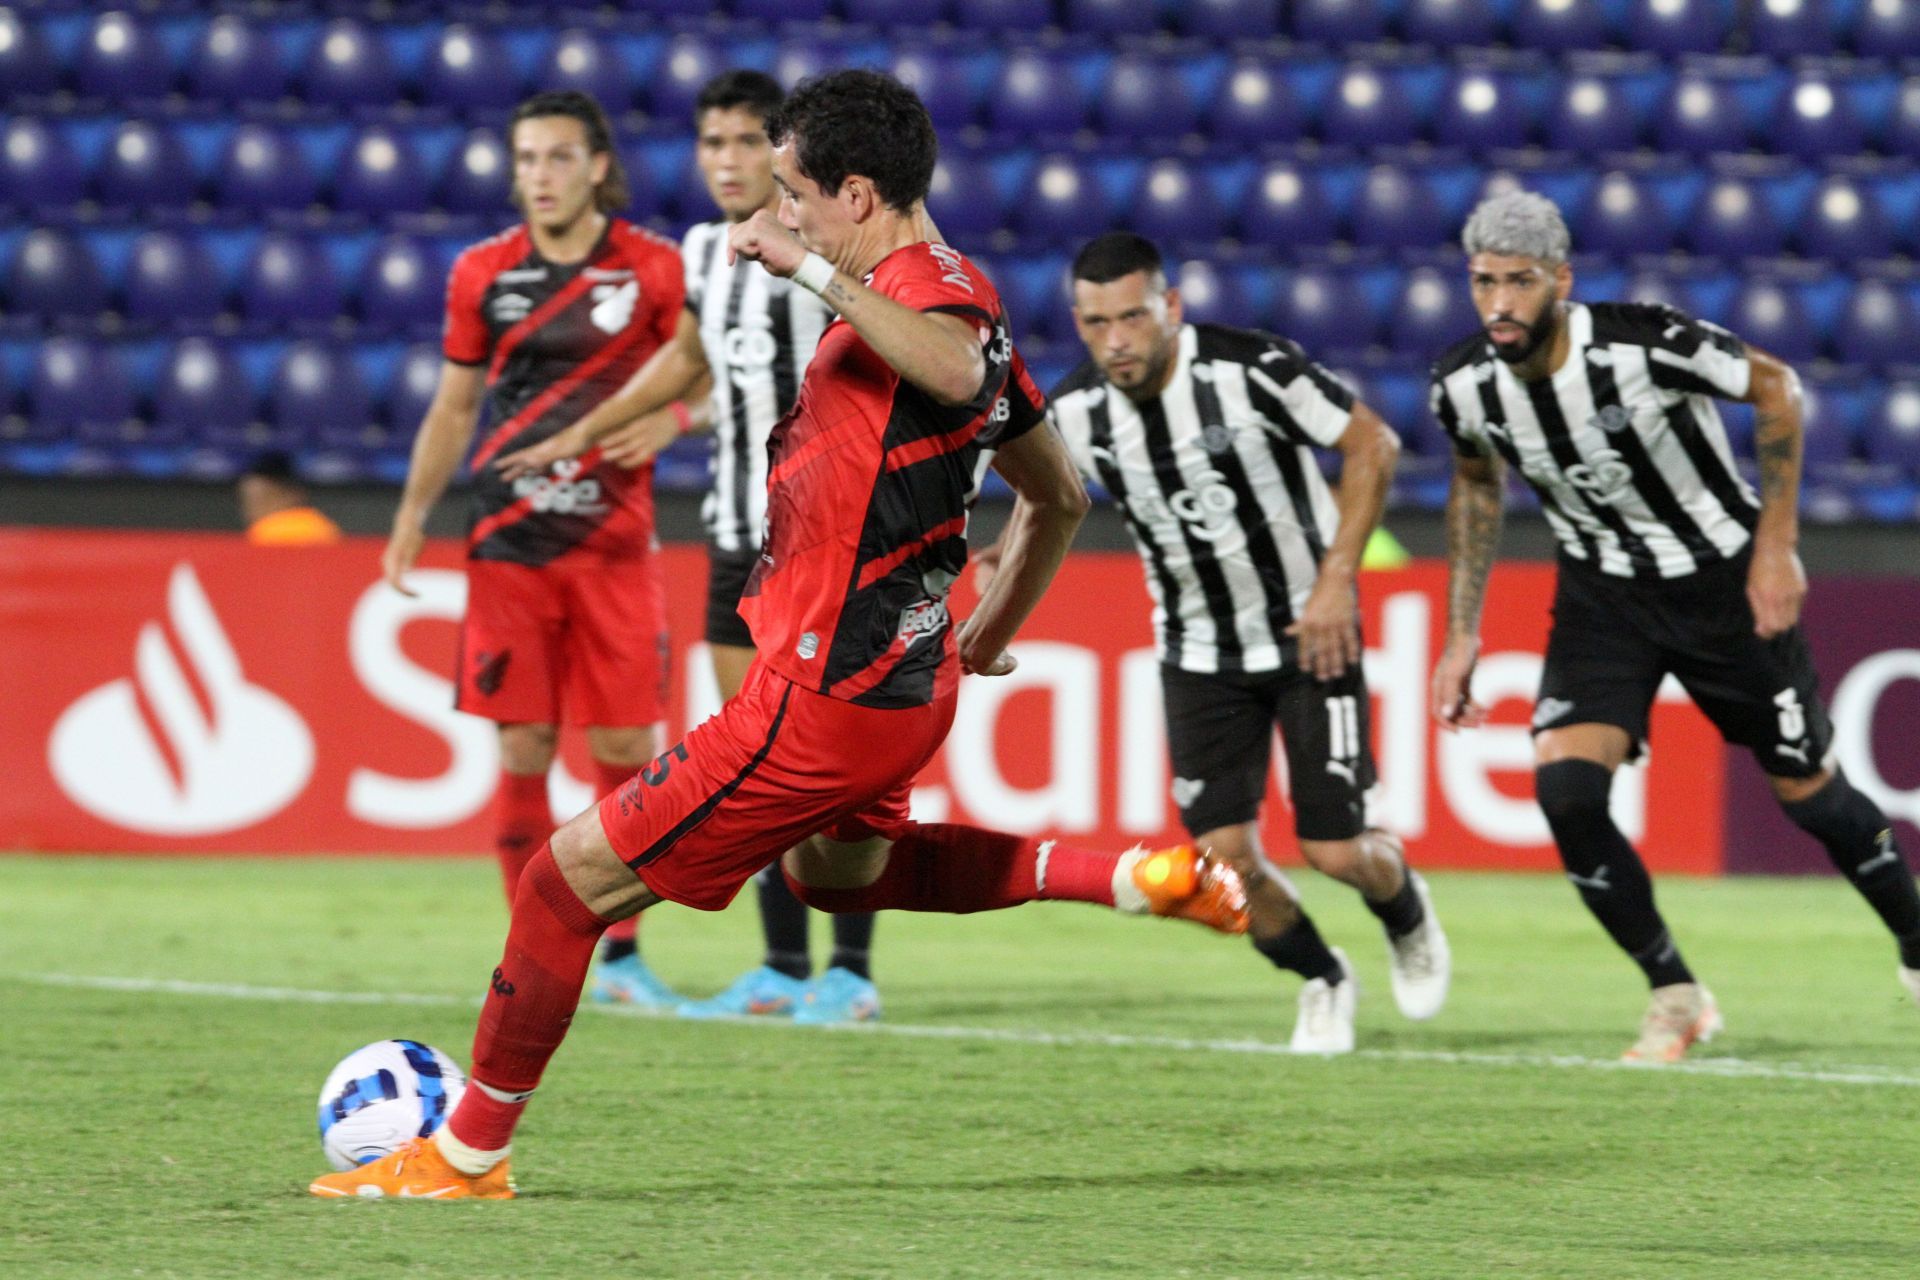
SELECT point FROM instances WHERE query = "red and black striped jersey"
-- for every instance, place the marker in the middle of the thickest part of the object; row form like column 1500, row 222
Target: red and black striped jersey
column 556, row 339
column 869, row 484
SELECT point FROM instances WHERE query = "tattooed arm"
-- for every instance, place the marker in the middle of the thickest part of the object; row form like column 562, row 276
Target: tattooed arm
column 1475, row 511
column 1776, row 583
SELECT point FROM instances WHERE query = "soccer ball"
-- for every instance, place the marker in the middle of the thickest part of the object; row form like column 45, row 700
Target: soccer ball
column 381, row 1096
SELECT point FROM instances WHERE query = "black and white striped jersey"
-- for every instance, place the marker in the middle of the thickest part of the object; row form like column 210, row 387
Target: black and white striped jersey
column 1218, row 482
column 759, row 332
column 1624, row 444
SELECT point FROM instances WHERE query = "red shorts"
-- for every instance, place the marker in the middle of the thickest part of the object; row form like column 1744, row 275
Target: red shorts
column 777, row 764
column 581, row 641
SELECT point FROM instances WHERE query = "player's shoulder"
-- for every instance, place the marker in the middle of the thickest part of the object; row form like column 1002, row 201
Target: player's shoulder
column 1085, row 378
column 1645, row 324
column 1469, row 351
column 1237, row 345
column 700, row 236
column 931, row 262
column 496, row 253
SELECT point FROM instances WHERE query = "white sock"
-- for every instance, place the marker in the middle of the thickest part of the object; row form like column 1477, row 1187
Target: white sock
column 469, row 1160
column 1127, row 897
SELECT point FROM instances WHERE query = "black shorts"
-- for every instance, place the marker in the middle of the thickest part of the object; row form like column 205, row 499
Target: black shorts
column 1614, row 640
column 727, row 574
column 1220, row 734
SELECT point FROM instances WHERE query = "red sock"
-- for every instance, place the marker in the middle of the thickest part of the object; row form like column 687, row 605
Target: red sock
column 609, row 778
column 522, row 821
column 943, row 867
column 530, row 1002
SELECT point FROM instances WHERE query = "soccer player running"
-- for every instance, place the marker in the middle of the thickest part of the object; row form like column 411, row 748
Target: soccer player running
column 1668, row 564
column 1204, row 435
column 759, row 330
column 565, row 607
column 914, row 391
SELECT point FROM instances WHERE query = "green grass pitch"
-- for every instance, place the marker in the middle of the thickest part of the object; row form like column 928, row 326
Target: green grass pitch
column 1058, row 1092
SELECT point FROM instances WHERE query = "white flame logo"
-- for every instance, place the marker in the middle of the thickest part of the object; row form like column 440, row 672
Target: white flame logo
column 241, row 758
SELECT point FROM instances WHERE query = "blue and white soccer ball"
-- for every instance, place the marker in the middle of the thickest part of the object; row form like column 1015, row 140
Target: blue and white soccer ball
column 381, row 1096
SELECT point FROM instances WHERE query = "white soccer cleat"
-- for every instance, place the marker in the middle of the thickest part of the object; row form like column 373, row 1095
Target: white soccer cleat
column 1421, row 962
column 1678, row 1016
column 1910, row 979
column 1325, row 1024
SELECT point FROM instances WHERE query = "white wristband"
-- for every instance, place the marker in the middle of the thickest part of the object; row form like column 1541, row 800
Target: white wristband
column 813, row 274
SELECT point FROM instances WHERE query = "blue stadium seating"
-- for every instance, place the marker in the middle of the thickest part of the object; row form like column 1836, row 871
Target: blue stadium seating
column 1175, row 204
column 1791, row 28
column 468, row 70
column 171, row 280
column 287, row 282
column 1340, row 21
column 1369, row 108
column 1621, row 216
column 262, row 169
column 1256, row 106
column 1452, row 24
column 317, row 389
column 1700, row 114
column 1814, row 121
column 1771, row 314
column 410, row 389
column 1887, row 29
column 402, row 288
column 236, row 61
column 1063, row 202
column 380, row 175
column 1891, row 432
column 1145, row 99
column 1035, row 94
column 1003, row 16
column 903, row 13
column 1483, row 111
column 27, row 64
column 38, row 169
column 1324, row 310
column 1229, row 19
column 1879, row 326
column 203, row 392
column 349, row 66
column 1679, row 26
column 1397, row 210
column 943, row 82
column 1210, row 295
column 122, row 59
column 53, row 277
column 1111, row 17
column 1593, row 114
column 79, row 386
column 1287, row 205
column 1843, row 220
column 1561, row 25
column 1733, row 219
column 144, row 168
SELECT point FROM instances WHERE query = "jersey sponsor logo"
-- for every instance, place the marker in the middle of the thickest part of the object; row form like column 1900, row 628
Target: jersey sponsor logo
column 227, row 753
column 613, row 305
column 521, row 275
column 749, row 347
column 511, row 308
column 1604, row 478
column 923, row 619
column 563, row 493
column 1206, row 507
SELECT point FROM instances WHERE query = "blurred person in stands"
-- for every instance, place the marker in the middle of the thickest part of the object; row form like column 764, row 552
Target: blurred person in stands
column 565, row 605
column 277, row 508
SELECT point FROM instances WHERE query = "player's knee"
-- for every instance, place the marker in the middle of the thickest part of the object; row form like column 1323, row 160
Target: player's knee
column 1573, row 796
column 1339, row 859
column 627, row 748
column 1840, row 817
column 593, row 869
column 527, row 748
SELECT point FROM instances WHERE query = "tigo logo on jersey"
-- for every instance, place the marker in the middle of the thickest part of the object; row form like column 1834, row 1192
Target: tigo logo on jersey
column 183, row 747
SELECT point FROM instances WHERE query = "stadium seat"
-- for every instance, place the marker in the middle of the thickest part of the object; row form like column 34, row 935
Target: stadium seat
column 1432, row 313
column 1368, row 109
column 263, row 169
column 1891, row 432
column 1255, row 107
column 79, row 387
column 122, row 59
column 781, row 10
column 468, row 70
column 479, row 175
column 1843, row 221
column 288, row 282
column 236, row 61
column 1111, row 17
column 1340, row 21
column 578, row 60
column 1879, row 326
column 203, row 392
column 1815, row 123
column 1174, row 204
column 1790, row 28
column 1555, row 26
column 1481, row 112
column 1229, row 19
column 1771, row 316
column 380, row 175
column 144, row 167
column 38, row 170
column 1674, row 27
column 1700, row 115
column 1397, row 210
column 1621, row 217
column 1732, row 220
column 1592, row 114
column 963, row 200
column 349, row 67
column 896, row 13
column 689, row 63
column 1035, row 94
column 943, row 83
column 54, row 276
column 1451, row 24
column 1063, row 202
column 1209, row 295
column 1144, row 98
column 1003, row 17
column 1324, row 311
column 171, row 280
column 1827, row 437
column 1887, row 29
column 403, row 405
column 317, row 388
column 1900, row 135
column 401, row 289
column 1286, row 205
column 27, row 63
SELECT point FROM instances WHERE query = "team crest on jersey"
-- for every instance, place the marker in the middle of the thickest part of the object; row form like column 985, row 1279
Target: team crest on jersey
column 1216, row 438
column 613, row 305
column 511, row 308
column 1613, row 419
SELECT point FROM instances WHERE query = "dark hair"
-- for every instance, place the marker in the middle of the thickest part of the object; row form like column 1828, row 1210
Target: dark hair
column 1107, row 258
column 274, row 464
column 860, row 122
column 610, row 194
column 757, row 91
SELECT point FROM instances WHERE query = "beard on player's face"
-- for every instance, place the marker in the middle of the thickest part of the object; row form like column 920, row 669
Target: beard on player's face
column 1539, row 334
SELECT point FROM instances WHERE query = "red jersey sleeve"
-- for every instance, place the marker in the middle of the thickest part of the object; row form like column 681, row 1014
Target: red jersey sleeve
column 1026, row 404
column 465, row 339
column 934, row 277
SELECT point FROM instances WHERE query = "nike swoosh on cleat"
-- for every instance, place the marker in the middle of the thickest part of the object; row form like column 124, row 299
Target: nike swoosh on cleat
column 410, row 1194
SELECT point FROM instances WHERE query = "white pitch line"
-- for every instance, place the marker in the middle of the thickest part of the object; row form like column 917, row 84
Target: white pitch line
column 1723, row 1068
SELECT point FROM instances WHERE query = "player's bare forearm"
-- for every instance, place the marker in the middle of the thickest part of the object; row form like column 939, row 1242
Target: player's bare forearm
column 1369, row 450
column 938, row 353
column 1476, row 510
column 1049, row 506
column 1778, row 428
column 674, row 372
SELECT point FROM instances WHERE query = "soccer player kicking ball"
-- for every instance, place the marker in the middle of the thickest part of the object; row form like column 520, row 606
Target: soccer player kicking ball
column 1204, row 435
column 914, row 391
column 1668, row 564
column 565, row 606
column 758, row 331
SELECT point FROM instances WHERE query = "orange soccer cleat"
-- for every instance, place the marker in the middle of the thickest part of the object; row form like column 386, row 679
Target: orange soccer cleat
column 416, row 1171
column 1190, row 885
